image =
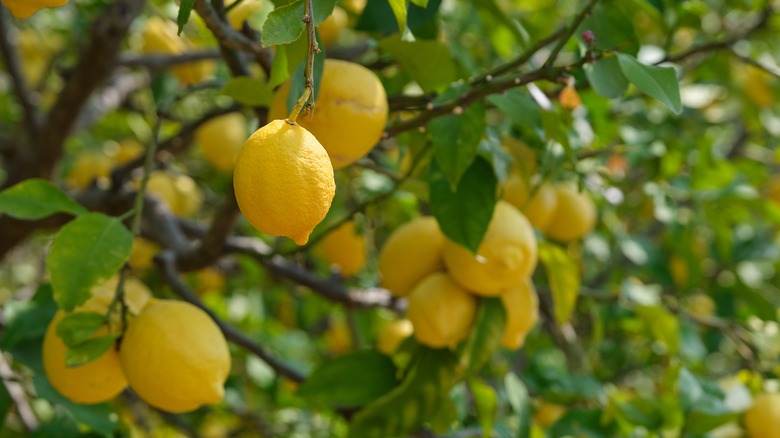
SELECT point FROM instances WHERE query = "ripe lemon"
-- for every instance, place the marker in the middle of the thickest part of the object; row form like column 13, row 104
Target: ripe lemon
column 350, row 111
column 220, row 140
column 762, row 420
column 102, row 379
column 355, row 6
column 332, row 26
column 179, row 192
column 441, row 311
column 574, row 217
column 393, row 334
column 175, row 357
column 209, row 279
column 142, row 255
column 412, row 252
column 547, row 414
column 88, row 166
column 522, row 313
column 506, row 255
column 241, row 12
column 284, row 181
column 36, row 52
column 128, row 150
column 345, row 248
column 523, row 156
column 161, row 37
column 338, row 338
column 540, row 209
column 25, row 8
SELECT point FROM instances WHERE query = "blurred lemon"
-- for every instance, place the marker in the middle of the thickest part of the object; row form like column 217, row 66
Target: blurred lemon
column 220, row 140
column 412, row 252
column 87, row 167
column 179, row 192
column 522, row 312
column 345, row 248
column 574, row 217
column 25, row 8
column 331, row 28
column 441, row 311
column 392, row 334
column 762, row 420
column 540, row 209
column 142, row 255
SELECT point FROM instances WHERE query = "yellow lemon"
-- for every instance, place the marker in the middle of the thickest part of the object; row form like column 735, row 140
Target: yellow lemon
column 338, row 338
column 95, row 382
column 523, row 157
column 574, row 216
column 128, row 150
column 179, row 192
column 547, row 414
column 441, row 311
column 87, row 167
column 412, row 252
column 25, row 8
column 209, row 279
column 161, row 37
column 539, row 210
column 506, row 255
column 332, row 26
column 522, row 313
column 240, row 13
column 762, row 420
column 35, row 51
column 392, row 334
column 142, row 255
column 345, row 248
column 284, row 181
column 220, row 140
column 349, row 114
column 102, row 379
column 355, row 6
column 175, row 357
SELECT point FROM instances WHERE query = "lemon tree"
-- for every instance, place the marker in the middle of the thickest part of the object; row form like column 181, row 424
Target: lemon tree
column 351, row 218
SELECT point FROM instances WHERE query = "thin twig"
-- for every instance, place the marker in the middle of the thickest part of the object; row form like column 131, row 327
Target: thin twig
column 308, row 71
column 17, row 394
column 569, row 32
column 159, row 62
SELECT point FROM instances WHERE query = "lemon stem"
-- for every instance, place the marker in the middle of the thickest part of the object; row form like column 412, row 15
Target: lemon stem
column 308, row 72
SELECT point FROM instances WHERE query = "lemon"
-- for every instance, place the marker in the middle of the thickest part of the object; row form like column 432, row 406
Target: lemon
column 547, row 414
column 161, row 37
column 773, row 189
column 441, row 311
column 87, row 167
column 25, row 8
column 338, row 338
column 142, row 255
column 129, row 149
column 209, row 279
column 220, row 140
column 345, row 248
column 240, row 13
column 762, row 420
column 36, row 52
column 175, row 357
column 355, row 6
column 412, row 252
column 102, row 379
column 284, row 181
column 523, row 157
column 349, row 114
column 522, row 313
column 95, row 382
column 179, row 192
column 539, row 210
column 506, row 255
column 392, row 334
column 332, row 26
column 574, row 216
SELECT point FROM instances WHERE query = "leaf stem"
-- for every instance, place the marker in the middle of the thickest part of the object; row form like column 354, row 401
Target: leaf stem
column 308, row 72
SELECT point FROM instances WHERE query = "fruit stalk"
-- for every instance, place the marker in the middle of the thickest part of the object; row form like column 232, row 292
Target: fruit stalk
column 308, row 72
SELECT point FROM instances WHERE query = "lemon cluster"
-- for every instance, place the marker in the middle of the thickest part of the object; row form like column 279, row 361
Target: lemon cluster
column 172, row 354
column 559, row 210
column 442, row 280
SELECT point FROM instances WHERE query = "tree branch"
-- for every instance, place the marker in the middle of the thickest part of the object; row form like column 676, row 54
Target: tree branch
column 160, row 62
column 569, row 32
column 24, row 94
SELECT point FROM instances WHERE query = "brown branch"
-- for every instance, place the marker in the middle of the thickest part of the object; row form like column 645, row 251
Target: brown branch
column 210, row 246
column 166, row 262
column 159, row 62
column 569, row 32
column 24, row 94
column 226, row 35
column 519, row 61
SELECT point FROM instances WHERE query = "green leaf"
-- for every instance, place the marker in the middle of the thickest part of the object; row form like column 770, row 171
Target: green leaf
column 350, row 381
column 280, row 69
column 486, row 402
column 586, row 423
column 564, row 278
column 456, row 138
column 421, row 3
column 607, row 78
column 612, row 28
column 464, row 215
column 248, row 91
column 485, row 336
column 61, row 426
column 77, row 327
column 519, row 107
column 184, row 13
column 89, row 350
column 399, row 10
column 86, row 252
column 658, row 82
column 26, row 320
column 417, row 57
column 415, row 401
column 99, row 417
column 285, row 24
column 35, row 198
column 5, row 401
column 518, row 397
